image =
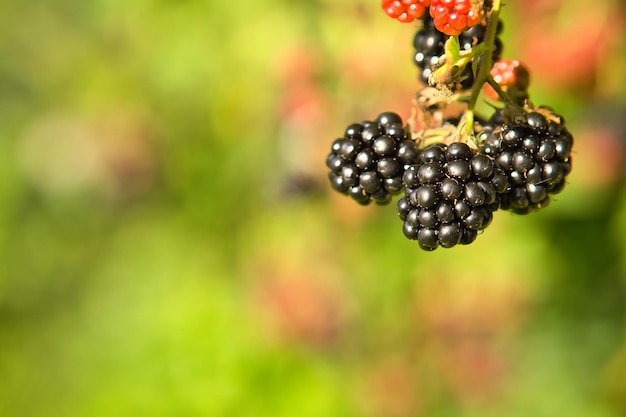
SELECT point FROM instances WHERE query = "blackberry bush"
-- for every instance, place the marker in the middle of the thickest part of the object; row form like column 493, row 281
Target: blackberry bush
column 456, row 172
column 367, row 164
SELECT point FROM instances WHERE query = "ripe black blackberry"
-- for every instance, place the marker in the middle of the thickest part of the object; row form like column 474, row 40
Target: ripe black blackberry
column 429, row 44
column 450, row 194
column 535, row 154
column 369, row 161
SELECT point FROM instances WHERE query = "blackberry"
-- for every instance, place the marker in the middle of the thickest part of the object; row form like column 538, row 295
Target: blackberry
column 535, row 154
column 513, row 78
column 450, row 194
column 369, row 161
column 429, row 44
column 454, row 16
column 406, row 10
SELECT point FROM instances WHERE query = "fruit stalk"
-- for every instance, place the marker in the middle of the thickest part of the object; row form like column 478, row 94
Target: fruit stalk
column 501, row 93
column 485, row 64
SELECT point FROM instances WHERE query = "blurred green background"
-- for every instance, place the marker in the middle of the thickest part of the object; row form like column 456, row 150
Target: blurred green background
column 169, row 245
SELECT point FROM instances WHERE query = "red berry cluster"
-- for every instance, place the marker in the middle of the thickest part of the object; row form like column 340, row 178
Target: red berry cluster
column 405, row 10
column 450, row 16
column 454, row 16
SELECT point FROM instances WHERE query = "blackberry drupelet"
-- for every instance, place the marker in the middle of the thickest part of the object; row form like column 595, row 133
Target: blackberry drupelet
column 429, row 44
column 450, row 194
column 535, row 154
column 369, row 161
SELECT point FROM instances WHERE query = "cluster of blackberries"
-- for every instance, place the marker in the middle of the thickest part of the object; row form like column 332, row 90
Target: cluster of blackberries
column 451, row 191
column 369, row 161
column 535, row 154
column 519, row 157
column 429, row 44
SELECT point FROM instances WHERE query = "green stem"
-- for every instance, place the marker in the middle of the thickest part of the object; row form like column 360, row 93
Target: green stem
column 425, row 143
column 501, row 93
column 485, row 64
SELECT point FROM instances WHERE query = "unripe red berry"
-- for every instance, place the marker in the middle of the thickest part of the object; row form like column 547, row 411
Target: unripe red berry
column 512, row 76
column 454, row 16
column 405, row 10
